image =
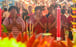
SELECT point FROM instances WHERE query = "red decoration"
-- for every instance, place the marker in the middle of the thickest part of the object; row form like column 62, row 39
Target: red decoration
column 10, row 35
column 19, row 37
column 25, row 38
column 31, row 41
column 4, row 35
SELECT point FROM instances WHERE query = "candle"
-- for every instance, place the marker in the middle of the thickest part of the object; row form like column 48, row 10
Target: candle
column 0, row 22
column 58, row 22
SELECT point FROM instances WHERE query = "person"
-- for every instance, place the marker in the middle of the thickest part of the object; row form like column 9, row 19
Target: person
column 14, row 23
column 38, row 21
column 45, row 11
column 5, row 14
column 52, row 22
column 25, row 17
column 64, row 25
column 25, row 14
column 30, row 13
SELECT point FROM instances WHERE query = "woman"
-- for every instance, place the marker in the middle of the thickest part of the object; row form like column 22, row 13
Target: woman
column 45, row 11
column 25, row 14
column 63, row 26
column 52, row 22
column 25, row 17
column 39, row 22
column 14, row 23
column 30, row 11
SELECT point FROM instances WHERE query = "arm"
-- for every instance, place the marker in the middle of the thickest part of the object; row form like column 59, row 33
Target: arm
column 41, row 25
column 52, row 25
column 6, row 23
column 35, row 24
column 21, row 24
column 9, row 27
column 24, row 17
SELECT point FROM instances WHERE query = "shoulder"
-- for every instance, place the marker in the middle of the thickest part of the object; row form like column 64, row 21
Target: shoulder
column 5, row 20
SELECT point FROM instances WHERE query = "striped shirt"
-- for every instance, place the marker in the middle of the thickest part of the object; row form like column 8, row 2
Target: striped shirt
column 15, row 30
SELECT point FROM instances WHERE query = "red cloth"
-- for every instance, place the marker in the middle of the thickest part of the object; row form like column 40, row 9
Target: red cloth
column 70, row 19
column 38, row 28
column 53, row 30
column 69, row 22
column 63, row 21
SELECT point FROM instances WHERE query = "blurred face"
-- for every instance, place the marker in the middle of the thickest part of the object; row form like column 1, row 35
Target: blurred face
column 53, row 12
column 66, row 11
column 30, row 8
column 45, row 8
column 13, row 12
column 38, row 11
column 50, row 10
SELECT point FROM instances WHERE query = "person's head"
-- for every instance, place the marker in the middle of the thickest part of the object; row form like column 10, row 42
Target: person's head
column 52, row 6
column 5, row 9
column 50, row 10
column 64, row 7
column 25, row 12
column 54, row 12
column 38, row 10
column 30, row 8
column 43, row 7
column 13, row 10
column 53, row 1
column 66, row 11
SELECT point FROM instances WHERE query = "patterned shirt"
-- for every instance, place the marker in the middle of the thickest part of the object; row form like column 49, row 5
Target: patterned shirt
column 15, row 30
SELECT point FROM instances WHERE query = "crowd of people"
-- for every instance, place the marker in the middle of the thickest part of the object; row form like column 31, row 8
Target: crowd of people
column 43, row 19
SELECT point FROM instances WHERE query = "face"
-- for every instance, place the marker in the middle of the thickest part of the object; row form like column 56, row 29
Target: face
column 13, row 12
column 53, row 12
column 45, row 8
column 30, row 8
column 49, row 10
column 38, row 11
column 66, row 11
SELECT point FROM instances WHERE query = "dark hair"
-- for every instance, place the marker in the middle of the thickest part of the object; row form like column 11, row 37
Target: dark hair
column 5, row 9
column 29, row 6
column 64, row 7
column 14, row 7
column 38, row 8
column 25, row 11
column 43, row 7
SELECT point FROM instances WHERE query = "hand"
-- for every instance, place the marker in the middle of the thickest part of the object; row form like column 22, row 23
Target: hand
column 19, row 27
column 41, row 25
column 9, row 27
